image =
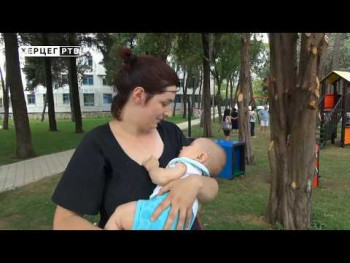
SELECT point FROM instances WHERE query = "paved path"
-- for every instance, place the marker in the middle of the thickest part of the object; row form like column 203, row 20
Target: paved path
column 32, row 170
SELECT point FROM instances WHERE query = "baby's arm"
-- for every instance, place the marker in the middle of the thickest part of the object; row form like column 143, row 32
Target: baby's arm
column 162, row 176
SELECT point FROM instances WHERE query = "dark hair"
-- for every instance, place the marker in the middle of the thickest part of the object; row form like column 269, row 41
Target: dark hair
column 226, row 113
column 148, row 72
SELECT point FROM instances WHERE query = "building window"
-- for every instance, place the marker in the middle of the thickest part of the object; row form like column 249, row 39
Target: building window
column 63, row 80
column 88, row 80
column 89, row 99
column 66, row 98
column 1, row 102
column 107, row 98
column 31, row 99
column 89, row 59
column 104, row 81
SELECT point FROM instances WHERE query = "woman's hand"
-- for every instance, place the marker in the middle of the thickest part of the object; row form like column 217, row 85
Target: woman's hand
column 183, row 193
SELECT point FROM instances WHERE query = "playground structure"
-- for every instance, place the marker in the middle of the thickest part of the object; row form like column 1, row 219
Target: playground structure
column 334, row 108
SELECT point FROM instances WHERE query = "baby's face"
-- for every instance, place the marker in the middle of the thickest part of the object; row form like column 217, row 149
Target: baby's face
column 192, row 151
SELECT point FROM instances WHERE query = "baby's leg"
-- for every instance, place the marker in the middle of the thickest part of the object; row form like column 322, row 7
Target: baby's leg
column 122, row 217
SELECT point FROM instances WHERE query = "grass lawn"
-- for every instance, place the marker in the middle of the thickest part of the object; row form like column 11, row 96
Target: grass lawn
column 241, row 202
column 45, row 142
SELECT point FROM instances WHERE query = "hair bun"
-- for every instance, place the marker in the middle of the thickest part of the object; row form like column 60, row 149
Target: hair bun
column 125, row 53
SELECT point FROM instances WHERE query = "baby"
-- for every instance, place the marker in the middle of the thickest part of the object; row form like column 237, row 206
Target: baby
column 202, row 157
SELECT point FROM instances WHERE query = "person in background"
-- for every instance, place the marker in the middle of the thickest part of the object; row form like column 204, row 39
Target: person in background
column 264, row 119
column 227, row 124
column 234, row 119
column 252, row 120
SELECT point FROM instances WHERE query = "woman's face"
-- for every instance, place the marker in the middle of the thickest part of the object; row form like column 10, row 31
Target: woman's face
column 158, row 107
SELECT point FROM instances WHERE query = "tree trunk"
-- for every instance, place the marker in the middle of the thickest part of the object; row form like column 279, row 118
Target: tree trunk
column 24, row 147
column 226, row 96
column 73, row 82
column 174, row 108
column 71, row 99
column 251, row 92
column 44, row 109
column 293, row 98
column 242, row 98
column 193, row 98
column 184, row 95
column 231, row 93
column 49, row 91
column 336, row 52
column 218, row 99
column 200, row 90
column 236, row 92
column 167, row 48
column 207, row 132
column 5, row 93
column 213, row 100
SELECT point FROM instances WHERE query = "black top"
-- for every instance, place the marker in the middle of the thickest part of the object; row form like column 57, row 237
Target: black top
column 101, row 176
column 234, row 122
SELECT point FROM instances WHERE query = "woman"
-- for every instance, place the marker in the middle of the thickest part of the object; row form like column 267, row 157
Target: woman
column 226, row 124
column 252, row 120
column 234, row 115
column 105, row 170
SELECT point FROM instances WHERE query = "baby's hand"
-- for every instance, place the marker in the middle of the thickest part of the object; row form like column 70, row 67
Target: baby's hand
column 150, row 163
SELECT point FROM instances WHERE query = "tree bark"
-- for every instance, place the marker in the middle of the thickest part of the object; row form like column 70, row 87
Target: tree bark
column 293, row 98
column 201, row 99
column 251, row 92
column 193, row 98
column 226, row 95
column 200, row 89
column 184, row 94
column 231, row 92
column 336, row 52
column 242, row 98
column 167, row 48
column 236, row 92
column 207, row 131
column 24, row 147
column 73, row 82
column 49, row 91
column 218, row 98
column 44, row 109
column 5, row 93
column 71, row 98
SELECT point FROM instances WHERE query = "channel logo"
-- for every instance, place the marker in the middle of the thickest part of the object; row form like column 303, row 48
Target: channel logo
column 50, row 51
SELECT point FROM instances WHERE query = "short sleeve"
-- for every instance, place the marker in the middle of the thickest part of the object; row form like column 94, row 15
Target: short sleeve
column 81, row 186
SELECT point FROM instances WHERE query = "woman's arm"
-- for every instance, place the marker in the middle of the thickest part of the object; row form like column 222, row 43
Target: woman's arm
column 65, row 219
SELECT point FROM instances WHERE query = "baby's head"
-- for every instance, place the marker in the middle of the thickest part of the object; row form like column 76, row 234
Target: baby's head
column 207, row 152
